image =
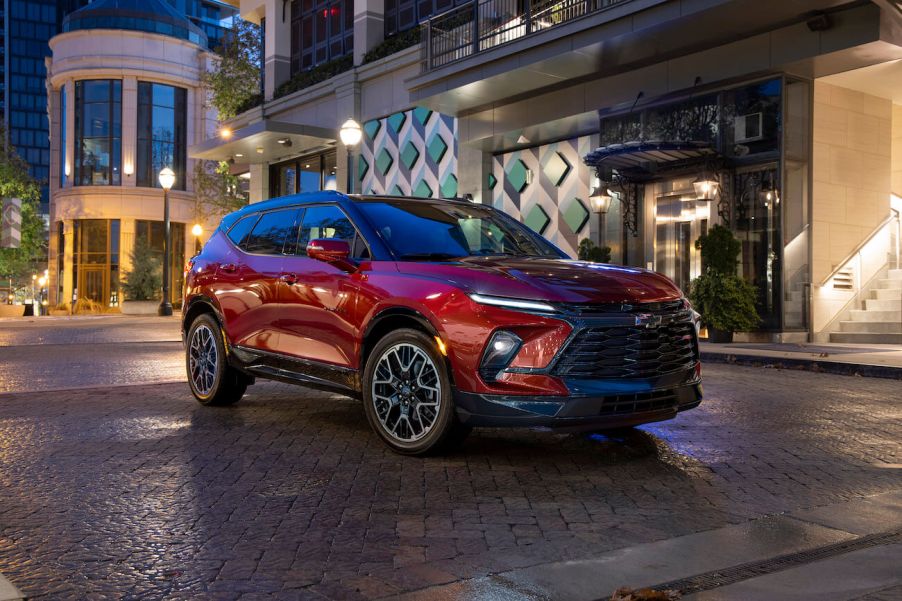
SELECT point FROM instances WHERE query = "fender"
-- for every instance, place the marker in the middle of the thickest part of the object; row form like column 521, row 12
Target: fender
column 190, row 311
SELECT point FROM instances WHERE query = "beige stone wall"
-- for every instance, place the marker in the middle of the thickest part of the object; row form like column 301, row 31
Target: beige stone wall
column 851, row 171
column 897, row 149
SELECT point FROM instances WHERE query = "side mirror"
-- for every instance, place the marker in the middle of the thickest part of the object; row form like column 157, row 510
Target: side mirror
column 329, row 250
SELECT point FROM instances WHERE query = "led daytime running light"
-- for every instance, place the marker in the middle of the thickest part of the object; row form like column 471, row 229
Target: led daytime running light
column 513, row 303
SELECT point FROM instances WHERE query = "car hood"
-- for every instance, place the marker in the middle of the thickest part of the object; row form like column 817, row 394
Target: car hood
column 554, row 280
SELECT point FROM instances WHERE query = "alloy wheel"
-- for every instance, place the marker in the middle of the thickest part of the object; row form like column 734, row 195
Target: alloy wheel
column 203, row 360
column 406, row 392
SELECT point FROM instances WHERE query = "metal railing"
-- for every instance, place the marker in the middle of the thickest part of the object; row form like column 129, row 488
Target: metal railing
column 483, row 24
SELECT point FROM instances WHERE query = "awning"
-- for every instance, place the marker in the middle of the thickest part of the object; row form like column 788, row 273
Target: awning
column 265, row 141
column 647, row 156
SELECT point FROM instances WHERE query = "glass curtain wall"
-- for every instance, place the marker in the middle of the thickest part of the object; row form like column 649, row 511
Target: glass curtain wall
column 162, row 133
column 98, row 133
column 305, row 174
column 152, row 233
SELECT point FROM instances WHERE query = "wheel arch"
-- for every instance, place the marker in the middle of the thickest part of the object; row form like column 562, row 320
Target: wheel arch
column 198, row 306
column 392, row 319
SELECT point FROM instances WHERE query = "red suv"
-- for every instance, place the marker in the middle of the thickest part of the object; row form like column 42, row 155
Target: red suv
column 439, row 315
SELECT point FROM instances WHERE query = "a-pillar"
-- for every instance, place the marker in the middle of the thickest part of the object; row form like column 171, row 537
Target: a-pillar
column 277, row 47
column 369, row 27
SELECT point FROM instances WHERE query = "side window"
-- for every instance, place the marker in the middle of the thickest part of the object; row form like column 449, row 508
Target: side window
column 329, row 222
column 241, row 229
column 269, row 234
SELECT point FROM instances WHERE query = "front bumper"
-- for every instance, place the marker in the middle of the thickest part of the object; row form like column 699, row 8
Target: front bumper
column 619, row 404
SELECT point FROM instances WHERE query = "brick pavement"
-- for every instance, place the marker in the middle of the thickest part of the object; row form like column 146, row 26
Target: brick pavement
column 138, row 492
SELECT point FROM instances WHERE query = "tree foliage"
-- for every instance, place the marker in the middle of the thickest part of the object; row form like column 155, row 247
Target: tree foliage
column 144, row 281
column 589, row 251
column 19, row 263
column 217, row 191
column 234, row 81
column 720, row 250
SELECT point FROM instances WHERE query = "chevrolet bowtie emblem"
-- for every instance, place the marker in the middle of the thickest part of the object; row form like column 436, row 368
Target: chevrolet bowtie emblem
column 648, row 320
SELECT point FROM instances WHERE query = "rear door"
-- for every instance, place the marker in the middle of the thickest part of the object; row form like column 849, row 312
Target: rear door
column 318, row 297
column 249, row 281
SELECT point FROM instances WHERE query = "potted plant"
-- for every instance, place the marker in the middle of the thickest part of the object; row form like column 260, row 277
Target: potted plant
column 725, row 300
column 142, row 285
column 589, row 251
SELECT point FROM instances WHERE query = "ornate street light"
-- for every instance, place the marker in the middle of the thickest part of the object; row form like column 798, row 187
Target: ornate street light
column 601, row 199
column 350, row 134
column 167, row 180
column 705, row 187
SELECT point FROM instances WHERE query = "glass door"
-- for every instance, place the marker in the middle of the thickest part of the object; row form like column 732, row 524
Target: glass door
column 680, row 219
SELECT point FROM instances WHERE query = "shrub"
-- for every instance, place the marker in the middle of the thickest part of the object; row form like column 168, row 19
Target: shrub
column 395, row 43
column 319, row 73
column 719, row 249
column 144, row 281
column 725, row 302
column 589, row 251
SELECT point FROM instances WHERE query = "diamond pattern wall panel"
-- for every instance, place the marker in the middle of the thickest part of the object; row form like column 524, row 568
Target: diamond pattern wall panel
column 556, row 200
column 422, row 146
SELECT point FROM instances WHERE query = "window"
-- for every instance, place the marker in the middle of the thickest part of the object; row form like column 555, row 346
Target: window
column 305, row 174
column 162, row 130
column 268, row 236
column 62, row 136
column 401, row 15
column 98, row 132
column 321, row 30
column 327, row 222
column 153, row 233
column 242, row 229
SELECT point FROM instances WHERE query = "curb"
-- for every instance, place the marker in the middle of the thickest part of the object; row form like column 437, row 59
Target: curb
column 814, row 365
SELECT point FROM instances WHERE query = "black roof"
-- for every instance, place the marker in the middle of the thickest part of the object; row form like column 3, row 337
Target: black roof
column 332, row 196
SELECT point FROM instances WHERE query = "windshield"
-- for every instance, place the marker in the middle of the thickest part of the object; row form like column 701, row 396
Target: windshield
column 425, row 231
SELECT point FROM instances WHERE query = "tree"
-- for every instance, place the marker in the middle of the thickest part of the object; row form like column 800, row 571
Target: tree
column 216, row 190
column 144, row 281
column 17, row 264
column 234, row 81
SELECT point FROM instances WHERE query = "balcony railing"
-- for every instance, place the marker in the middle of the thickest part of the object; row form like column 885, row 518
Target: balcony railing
column 483, row 24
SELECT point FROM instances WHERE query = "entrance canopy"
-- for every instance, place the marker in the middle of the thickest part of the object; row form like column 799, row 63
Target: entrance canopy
column 644, row 159
column 265, row 141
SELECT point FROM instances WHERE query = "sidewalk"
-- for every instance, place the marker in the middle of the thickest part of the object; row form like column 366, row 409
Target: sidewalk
column 876, row 361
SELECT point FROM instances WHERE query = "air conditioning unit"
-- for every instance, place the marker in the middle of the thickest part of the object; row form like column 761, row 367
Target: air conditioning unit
column 748, row 128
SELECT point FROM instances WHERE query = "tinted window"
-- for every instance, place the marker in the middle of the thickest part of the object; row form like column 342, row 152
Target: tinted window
column 268, row 236
column 433, row 231
column 329, row 222
column 242, row 228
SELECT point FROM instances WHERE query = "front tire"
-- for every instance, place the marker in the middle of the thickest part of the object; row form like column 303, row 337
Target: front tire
column 407, row 394
column 212, row 380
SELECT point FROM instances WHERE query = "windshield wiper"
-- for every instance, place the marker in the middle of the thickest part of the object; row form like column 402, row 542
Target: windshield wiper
column 427, row 256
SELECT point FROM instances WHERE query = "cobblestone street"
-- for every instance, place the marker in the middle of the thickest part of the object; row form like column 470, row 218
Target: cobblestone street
column 139, row 492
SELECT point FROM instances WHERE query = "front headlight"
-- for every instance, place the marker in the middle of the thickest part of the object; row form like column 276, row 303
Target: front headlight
column 513, row 303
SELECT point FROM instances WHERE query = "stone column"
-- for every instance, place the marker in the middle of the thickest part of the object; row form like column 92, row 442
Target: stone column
column 277, row 47
column 259, row 185
column 68, row 261
column 129, row 131
column 369, row 27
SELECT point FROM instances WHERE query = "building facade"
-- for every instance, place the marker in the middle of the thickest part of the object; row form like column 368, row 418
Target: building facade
column 789, row 114
column 125, row 101
column 26, row 27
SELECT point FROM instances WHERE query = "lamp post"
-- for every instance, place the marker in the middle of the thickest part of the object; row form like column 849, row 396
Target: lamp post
column 601, row 199
column 197, row 230
column 167, row 180
column 350, row 134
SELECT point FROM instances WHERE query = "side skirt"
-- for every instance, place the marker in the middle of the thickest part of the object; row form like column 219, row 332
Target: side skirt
column 292, row 370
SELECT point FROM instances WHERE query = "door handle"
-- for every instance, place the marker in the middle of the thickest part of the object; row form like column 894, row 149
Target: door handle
column 289, row 278
column 228, row 268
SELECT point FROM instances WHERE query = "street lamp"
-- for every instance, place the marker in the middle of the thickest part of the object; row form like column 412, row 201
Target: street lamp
column 42, row 281
column 167, row 180
column 601, row 199
column 350, row 134
column 197, row 230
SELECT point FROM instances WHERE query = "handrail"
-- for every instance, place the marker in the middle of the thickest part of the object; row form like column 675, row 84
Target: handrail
column 893, row 216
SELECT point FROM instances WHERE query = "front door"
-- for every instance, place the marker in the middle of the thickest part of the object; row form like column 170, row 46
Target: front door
column 680, row 220
column 318, row 298
column 93, row 282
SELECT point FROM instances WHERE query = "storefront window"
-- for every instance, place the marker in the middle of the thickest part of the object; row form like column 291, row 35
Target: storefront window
column 96, row 260
column 305, row 174
column 752, row 119
column 320, row 31
column 162, row 130
column 153, row 233
column 98, row 132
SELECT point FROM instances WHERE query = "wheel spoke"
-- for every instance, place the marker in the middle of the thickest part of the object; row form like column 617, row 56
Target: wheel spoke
column 203, row 360
column 406, row 392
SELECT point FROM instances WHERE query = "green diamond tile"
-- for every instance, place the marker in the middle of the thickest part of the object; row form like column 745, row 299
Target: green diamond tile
column 384, row 161
column 396, row 121
column 517, row 174
column 422, row 114
column 449, row 187
column 576, row 215
column 423, row 190
column 372, row 128
column 492, row 181
column 398, row 191
column 537, row 219
column 362, row 168
column 556, row 168
column 410, row 155
column 437, row 148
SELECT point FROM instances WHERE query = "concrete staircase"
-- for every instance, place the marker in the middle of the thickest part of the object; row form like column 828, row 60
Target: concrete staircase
column 880, row 322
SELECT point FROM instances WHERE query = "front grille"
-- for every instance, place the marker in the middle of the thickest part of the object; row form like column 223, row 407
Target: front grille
column 629, row 351
column 657, row 308
column 639, row 403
